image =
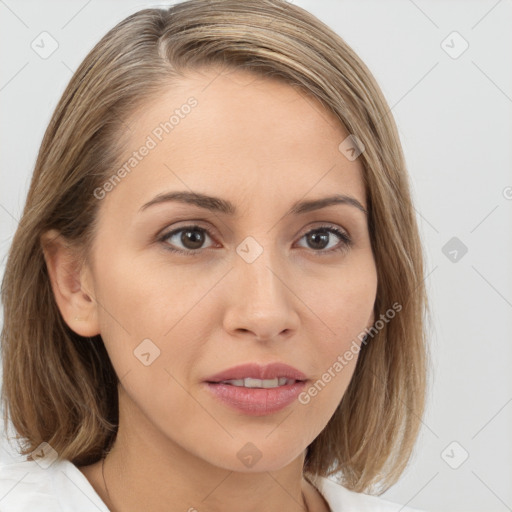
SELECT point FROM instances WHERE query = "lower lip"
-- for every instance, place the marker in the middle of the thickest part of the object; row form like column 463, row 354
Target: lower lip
column 256, row 401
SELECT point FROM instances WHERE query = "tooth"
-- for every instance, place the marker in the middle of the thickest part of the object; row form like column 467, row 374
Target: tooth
column 235, row 382
column 253, row 383
column 259, row 383
column 270, row 383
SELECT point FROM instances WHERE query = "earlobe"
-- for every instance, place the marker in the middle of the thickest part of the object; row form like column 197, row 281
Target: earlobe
column 69, row 283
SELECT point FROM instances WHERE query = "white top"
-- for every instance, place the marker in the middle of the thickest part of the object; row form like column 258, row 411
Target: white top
column 58, row 485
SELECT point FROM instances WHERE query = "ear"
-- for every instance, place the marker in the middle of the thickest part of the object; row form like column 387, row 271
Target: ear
column 71, row 283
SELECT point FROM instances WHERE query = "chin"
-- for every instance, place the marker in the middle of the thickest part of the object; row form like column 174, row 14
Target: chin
column 260, row 455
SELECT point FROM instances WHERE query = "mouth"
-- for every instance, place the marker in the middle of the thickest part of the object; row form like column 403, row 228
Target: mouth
column 253, row 400
column 257, row 390
column 249, row 382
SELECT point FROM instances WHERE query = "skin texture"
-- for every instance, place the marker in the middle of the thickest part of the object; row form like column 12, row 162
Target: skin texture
column 262, row 145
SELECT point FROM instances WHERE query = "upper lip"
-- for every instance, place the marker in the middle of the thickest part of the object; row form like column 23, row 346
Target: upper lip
column 258, row 371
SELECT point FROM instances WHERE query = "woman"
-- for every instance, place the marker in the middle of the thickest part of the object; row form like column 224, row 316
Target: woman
column 147, row 369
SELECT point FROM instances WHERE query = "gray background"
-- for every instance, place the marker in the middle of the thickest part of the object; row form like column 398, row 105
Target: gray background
column 453, row 110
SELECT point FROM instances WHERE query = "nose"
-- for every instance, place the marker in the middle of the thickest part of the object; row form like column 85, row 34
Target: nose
column 261, row 303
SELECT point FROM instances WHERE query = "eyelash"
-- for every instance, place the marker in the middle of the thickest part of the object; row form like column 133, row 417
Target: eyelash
column 346, row 241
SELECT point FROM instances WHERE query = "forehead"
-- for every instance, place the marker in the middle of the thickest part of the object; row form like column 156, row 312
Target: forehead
column 245, row 137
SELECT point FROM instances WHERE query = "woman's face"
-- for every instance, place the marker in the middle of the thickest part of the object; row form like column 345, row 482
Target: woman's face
column 255, row 283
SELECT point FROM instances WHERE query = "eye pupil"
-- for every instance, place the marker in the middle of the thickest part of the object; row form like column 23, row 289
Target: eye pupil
column 322, row 235
column 194, row 236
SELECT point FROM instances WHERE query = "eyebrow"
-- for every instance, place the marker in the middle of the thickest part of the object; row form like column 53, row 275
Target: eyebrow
column 216, row 204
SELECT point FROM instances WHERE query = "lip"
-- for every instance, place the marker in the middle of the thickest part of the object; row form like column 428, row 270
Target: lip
column 256, row 401
column 256, row 371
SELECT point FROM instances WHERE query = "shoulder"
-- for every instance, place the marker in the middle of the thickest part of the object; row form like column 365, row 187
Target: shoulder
column 46, row 486
column 26, row 486
column 341, row 499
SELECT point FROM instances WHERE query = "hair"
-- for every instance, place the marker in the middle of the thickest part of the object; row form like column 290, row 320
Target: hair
column 60, row 387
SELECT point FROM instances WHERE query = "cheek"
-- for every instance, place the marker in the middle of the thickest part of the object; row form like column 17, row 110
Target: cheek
column 145, row 327
column 334, row 368
column 342, row 302
column 152, row 320
column 132, row 312
column 144, row 299
column 343, row 310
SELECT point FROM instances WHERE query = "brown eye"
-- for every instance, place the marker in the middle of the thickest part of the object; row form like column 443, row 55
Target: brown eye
column 319, row 238
column 191, row 237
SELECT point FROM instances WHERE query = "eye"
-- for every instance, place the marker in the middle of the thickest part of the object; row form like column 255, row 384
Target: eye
column 193, row 237
column 321, row 237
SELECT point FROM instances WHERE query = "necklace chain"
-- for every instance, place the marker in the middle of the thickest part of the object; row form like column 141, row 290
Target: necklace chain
column 110, row 501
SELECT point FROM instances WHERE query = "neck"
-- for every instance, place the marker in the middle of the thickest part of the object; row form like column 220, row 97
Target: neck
column 137, row 487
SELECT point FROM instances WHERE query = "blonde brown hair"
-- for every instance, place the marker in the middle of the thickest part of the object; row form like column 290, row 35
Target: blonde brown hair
column 61, row 388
